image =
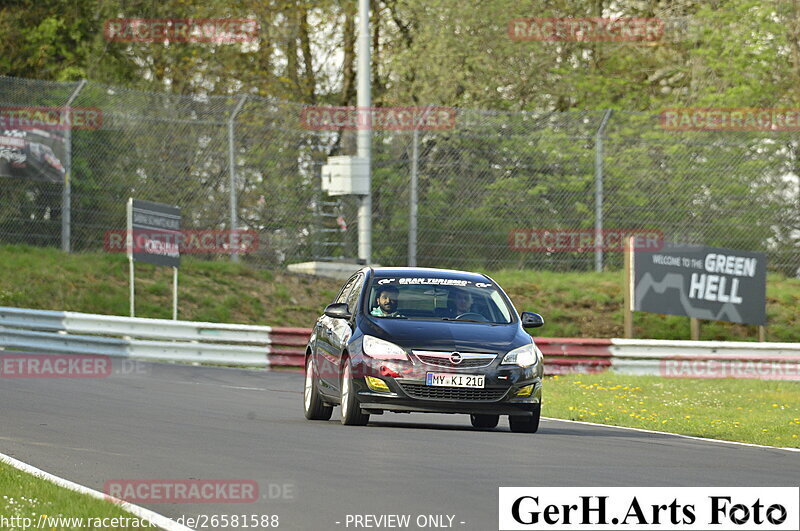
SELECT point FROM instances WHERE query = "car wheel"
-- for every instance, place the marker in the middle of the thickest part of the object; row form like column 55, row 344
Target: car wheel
column 351, row 412
column 484, row 421
column 314, row 407
column 526, row 424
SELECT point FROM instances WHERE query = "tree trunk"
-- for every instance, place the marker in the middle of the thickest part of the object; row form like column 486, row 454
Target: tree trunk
column 349, row 70
column 308, row 64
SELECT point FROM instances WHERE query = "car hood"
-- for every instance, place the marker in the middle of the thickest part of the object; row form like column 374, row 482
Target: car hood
column 447, row 335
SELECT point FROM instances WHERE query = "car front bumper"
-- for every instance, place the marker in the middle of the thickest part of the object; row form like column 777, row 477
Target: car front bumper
column 410, row 393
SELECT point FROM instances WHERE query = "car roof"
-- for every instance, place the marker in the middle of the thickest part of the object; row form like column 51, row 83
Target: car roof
column 427, row 272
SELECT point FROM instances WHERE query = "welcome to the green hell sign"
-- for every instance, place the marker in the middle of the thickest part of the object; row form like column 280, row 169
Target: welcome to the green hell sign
column 701, row 282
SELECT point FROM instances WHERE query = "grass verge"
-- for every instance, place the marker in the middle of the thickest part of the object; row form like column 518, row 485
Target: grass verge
column 26, row 496
column 749, row 411
column 573, row 304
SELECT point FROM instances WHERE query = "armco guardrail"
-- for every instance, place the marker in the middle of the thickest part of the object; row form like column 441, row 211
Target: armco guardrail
column 265, row 346
column 126, row 337
column 706, row 359
column 562, row 355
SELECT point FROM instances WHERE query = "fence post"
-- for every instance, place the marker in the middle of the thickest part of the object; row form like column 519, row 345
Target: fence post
column 364, row 135
column 232, row 171
column 413, row 201
column 598, row 195
column 66, row 192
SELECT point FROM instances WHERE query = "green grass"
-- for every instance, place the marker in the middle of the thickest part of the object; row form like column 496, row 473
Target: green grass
column 750, row 411
column 45, row 278
column 26, row 496
column 573, row 304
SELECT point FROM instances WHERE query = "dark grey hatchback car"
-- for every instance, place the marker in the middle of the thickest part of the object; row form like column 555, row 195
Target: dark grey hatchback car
column 424, row 340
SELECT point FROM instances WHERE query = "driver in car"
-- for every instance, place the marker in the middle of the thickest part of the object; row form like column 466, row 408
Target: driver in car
column 460, row 302
column 387, row 302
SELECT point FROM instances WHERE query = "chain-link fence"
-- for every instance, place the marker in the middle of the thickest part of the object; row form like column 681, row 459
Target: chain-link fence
column 485, row 186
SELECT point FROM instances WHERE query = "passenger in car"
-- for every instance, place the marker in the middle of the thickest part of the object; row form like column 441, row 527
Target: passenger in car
column 459, row 301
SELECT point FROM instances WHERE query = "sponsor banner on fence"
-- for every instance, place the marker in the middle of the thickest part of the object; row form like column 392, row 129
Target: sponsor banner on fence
column 188, row 241
column 730, row 119
column 159, row 227
column 649, row 508
column 379, row 118
column 34, row 154
column 214, row 30
column 583, row 240
column 702, row 282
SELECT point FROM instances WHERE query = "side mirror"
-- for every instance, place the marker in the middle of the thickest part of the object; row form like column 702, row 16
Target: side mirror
column 338, row 310
column 531, row 320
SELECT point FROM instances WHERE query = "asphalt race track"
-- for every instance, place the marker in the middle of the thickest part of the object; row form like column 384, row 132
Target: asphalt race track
column 162, row 421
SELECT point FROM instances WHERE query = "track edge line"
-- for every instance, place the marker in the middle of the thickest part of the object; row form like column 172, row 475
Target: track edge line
column 145, row 514
column 706, row 439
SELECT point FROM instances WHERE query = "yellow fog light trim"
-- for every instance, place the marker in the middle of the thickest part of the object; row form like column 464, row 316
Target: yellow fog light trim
column 376, row 384
column 525, row 391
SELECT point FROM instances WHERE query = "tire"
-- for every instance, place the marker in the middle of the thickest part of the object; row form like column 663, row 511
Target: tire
column 484, row 421
column 351, row 412
column 313, row 406
column 526, row 424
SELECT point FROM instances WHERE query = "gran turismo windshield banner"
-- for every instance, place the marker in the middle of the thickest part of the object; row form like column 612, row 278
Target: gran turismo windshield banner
column 415, row 281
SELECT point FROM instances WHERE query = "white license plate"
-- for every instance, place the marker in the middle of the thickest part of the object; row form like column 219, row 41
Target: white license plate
column 440, row 379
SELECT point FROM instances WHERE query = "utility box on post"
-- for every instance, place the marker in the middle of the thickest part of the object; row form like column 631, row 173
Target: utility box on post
column 345, row 175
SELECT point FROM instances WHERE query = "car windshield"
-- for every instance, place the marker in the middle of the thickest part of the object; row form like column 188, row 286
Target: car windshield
column 440, row 299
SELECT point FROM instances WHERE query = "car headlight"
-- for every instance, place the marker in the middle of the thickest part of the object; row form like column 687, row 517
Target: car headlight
column 383, row 350
column 524, row 356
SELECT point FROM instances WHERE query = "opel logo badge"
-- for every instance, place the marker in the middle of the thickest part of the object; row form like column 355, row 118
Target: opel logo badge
column 455, row 358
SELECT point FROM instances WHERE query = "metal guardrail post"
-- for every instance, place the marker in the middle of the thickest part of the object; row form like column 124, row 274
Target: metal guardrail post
column 66, row 193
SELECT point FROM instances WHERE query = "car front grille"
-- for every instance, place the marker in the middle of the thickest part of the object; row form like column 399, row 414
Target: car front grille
column 428, row 392
column 470, row 360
